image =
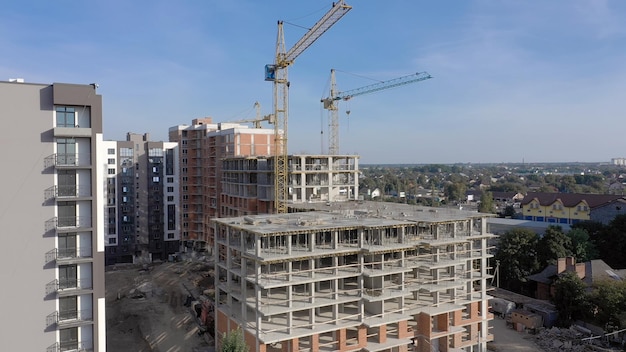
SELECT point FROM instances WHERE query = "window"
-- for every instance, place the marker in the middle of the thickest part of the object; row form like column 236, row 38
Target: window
column 111, row 151
column 66, row 214
column 66, row 116
column 170, row 236
column 155, row 169
column 67, row 276
column 111, row 161
column 66, row 151
column 155, row 179
column 170, row 189
column 170, row 180
column 68, row 339
column 184, row 151
column 112, row 240
column 111, row 171
column 170, row 198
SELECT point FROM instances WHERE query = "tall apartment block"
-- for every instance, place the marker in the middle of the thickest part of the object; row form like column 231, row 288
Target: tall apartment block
column 248, row 182
column 142, row 192
column 52, row 218
column 203, row 145
column 367, row 277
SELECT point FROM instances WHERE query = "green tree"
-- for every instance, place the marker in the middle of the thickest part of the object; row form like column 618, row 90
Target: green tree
column 553, row 245
column 569, row 298
column 609, row 301
column 455, row 191
column 517, row 257
column 234, row 342
column 581, row 246
column 486, row 203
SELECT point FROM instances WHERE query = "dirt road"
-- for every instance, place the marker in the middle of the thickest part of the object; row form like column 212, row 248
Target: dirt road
column 145, row 308
column 509, row 340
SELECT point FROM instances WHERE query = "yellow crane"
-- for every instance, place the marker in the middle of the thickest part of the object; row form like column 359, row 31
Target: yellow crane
column 277, row 73
column 257, row 121
column 330, row 103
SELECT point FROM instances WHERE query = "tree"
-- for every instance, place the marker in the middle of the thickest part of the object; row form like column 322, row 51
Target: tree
column 581, row 246
column 569, row 298
column 517, row 257
column 612, row 242
column 455, row 191
column 553, row 245
column 486, row 203
column 609, row 301
column 234, row 342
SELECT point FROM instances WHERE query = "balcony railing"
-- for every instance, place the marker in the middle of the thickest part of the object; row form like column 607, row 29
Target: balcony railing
column 68, row 317
column 60, row 286
column 68, row 254
column 68, row 160
column 67, row 346
column 71, row 191
column 68, row 222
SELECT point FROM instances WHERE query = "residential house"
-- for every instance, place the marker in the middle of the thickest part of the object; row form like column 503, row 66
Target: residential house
column 570, row 208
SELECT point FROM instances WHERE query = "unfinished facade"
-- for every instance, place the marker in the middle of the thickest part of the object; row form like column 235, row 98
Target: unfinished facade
column 248, row 182
column 203, row 145
column 371, row 278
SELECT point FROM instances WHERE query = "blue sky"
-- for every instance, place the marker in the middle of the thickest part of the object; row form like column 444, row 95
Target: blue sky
column 513, row 81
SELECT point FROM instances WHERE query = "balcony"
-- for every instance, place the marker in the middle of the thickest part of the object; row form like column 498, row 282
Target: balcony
column 67, row 346
column 69, row 255
column 68, row 160
column 69, row 318
column 67, row 192
column 68, row 222
column 68, row 286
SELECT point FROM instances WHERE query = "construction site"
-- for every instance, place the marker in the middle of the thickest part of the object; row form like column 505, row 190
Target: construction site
column 371, row 277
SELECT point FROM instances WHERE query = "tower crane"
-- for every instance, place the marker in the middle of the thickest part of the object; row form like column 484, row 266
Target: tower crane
column 257, row 121
column 277, row 73
column 330, row 103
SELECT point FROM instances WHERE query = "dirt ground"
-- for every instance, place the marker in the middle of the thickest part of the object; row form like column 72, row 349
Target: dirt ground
column 509, row 340
column 145, row 308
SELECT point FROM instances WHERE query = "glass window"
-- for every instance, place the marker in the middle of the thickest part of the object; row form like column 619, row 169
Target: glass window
column 112, row 240
column 111, row 162
column 170, row 236
column 67, row 276
column 66, row 116
column 111, row 151
column 68, row 339
column 170, row 180
column 66, row 151
column 111, row 171
column 170, row 189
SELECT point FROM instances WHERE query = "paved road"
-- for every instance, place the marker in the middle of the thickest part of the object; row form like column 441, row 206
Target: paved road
column 509, row 340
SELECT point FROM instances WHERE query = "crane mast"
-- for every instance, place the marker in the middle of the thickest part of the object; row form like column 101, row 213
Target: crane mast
column 278, row 73
column 330, row 103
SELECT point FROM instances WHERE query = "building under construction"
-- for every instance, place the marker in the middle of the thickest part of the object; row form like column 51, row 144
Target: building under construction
column 248, row 182
column 361, row 276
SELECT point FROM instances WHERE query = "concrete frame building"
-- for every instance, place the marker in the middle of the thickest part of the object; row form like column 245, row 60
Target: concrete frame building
column 52, row 218
column 368, row 277
column 248, row 182
column 142, row 210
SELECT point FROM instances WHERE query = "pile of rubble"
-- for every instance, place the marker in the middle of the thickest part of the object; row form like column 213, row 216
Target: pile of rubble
column 568, row 339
